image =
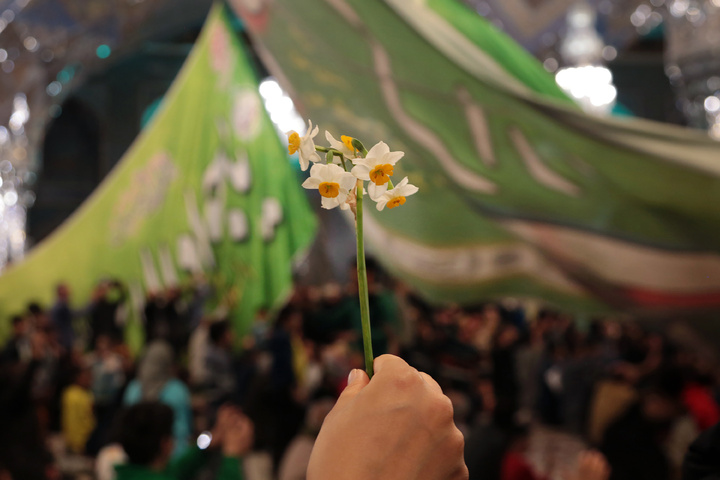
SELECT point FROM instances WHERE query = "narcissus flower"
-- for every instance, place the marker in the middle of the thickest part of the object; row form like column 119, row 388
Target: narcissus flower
column 304, row 145
column 344, row 145
column 333, row 183
column 396, row 197
column 377, row 167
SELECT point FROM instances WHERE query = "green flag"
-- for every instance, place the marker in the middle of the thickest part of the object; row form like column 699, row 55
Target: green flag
column 206, row 190
column 521, row 193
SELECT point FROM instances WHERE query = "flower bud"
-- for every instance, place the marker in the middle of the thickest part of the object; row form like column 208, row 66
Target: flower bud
column 359, row 146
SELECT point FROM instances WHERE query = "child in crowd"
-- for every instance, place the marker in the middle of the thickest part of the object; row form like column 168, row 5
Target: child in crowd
column 78, row 420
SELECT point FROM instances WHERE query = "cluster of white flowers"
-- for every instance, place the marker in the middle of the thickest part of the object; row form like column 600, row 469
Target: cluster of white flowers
column 336, row 184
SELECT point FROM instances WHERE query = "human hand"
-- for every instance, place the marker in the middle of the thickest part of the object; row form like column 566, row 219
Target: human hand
column 222, row 422
column 592, row 466
column 239, row 435
column 397, row 426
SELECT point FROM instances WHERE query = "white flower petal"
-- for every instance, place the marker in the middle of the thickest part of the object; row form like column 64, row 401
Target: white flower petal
column 323, row 173
column 382, row 201
column 393, row 157
column 361, row 171
column 336, row 171
column 376, row 191
column 311, row 183
column 378, row 150
column 315, row 158
column 304, row 163
column 330, row 139
column 408, row 190
column 330, row 203
column 402, row 183
column 316, row 169
column 311, row 132
column 347, row 181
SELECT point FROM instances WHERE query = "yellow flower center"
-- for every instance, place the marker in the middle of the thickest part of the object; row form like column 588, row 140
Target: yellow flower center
column 348, row 142
column 396, row 202
column 380, row 175
column 329, row 189
column 293, row 142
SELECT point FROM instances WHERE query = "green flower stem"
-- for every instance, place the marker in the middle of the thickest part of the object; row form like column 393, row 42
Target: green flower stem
column 342, row 160
column 362, row 283
column 321, row 149
column 390, row 184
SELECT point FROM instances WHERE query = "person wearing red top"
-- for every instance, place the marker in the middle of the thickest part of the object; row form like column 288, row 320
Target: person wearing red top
column 591, row 465
column 515, row 467
column 699, row 401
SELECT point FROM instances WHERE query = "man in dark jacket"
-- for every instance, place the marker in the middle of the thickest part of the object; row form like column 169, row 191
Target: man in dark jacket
column 633, row 444
column 61, row 317
column 22, row 448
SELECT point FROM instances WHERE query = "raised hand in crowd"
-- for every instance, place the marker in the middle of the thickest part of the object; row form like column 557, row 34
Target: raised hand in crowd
column 592, row 465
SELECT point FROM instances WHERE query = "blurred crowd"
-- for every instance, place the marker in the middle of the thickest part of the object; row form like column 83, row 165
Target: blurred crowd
column 625, row 391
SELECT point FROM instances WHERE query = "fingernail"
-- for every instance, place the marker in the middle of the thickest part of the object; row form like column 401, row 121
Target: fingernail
column 353, row 376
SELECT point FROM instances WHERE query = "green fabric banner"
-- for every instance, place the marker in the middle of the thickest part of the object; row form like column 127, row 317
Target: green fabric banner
column 521, row 193
column 207, row 189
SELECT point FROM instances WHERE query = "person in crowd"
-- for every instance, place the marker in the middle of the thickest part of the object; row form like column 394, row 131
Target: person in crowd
column 698, row 398
column 156, row 381
column 200, row 291
column 198, row 346
column 23, row 451
column 61, row 317
column 504, row 365
column 495, row 368
column 17, row 348
column 328, row 315
column 54, row 372
column 176, row 314
column 287, row 416
column 633, row 444
column 297, row 456
column 167, row 318
column 220, row 378
column 108, row 378
column 147, row 439
column 702, row 461
column 106, row 300
column 485, row 447
column 514, row 465
column 37, row 317
column 261, row 328
column 156, row 325
column 529, row 359
column 78, row 419
column 383, row 308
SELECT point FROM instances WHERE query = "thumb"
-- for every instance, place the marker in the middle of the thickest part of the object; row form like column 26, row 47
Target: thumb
column 357, row 380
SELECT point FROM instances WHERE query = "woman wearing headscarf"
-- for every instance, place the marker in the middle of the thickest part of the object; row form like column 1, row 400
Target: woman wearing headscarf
column 156, row 381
